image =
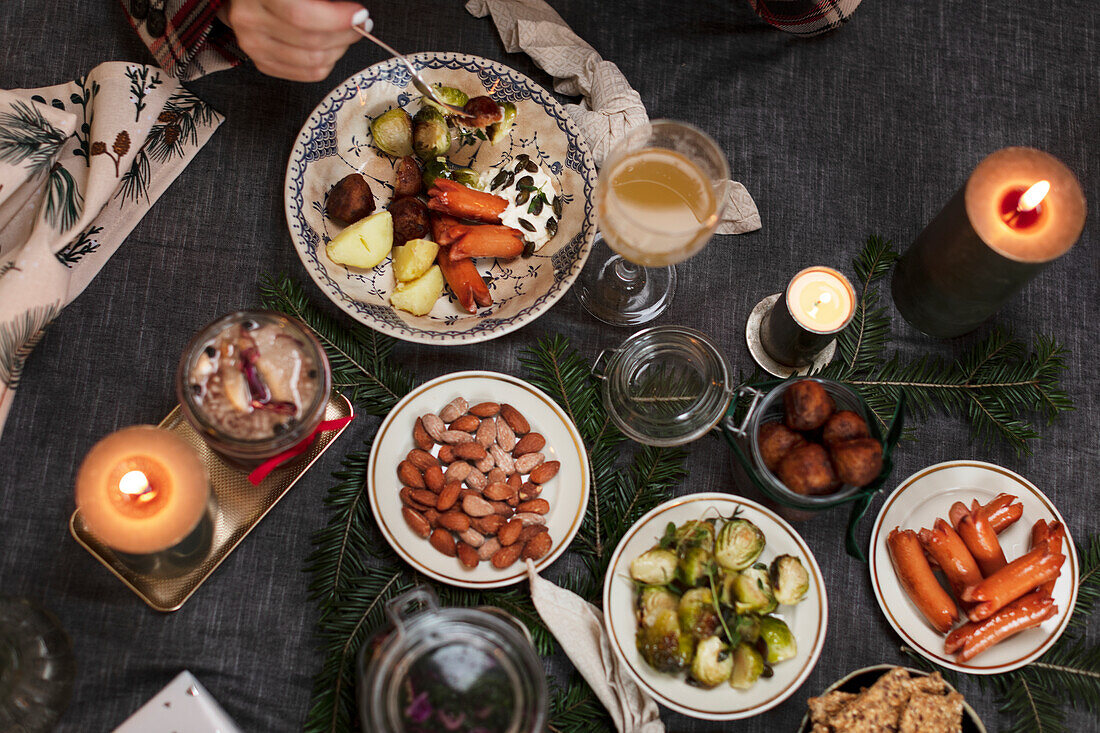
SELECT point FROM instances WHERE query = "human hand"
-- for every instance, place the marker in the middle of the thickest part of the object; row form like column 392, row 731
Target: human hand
column 300, row 40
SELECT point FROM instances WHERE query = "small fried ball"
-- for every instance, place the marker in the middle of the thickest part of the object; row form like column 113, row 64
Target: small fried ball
column 808, row 405
column 842, row 426
column 806, row 470
column 774, row 440
column 858, row 461
column 350, row 200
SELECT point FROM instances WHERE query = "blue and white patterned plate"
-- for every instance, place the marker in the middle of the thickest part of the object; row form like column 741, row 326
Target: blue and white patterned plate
column 336, row 140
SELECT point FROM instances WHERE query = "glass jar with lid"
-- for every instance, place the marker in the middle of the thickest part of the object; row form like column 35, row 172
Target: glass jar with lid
column 462, row 670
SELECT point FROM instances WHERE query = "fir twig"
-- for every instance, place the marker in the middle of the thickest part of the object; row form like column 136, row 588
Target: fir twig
column 577, row 710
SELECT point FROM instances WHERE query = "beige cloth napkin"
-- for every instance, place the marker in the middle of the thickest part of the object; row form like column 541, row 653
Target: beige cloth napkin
column 80, row 164
column 578, row 627
column 611, row 107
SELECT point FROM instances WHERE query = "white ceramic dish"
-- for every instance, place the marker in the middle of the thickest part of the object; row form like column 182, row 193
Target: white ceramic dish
column 929, row 494
column 336, row 141
column 808, row 620
column 567, row 492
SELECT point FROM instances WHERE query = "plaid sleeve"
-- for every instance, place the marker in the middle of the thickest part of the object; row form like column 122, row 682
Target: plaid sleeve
column 185, row 36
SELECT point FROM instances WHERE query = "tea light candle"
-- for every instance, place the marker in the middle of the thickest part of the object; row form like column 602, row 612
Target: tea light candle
column 1020, row 209
column 818, row 302
column 141, row 490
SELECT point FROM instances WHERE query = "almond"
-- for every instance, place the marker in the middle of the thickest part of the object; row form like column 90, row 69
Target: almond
column 490, row 548
column 537, row 546
column 433, row 517
column 470, row 451
column 447, row 455
column 442, row 540
column 512, row 501
column 487, row 433
column 422, row 459
column 457, row 471
column 505, row 556
column 515, row 419
column 497, row 476
column 515, row 482
column 528, row 463
column 475, row 506
column 486, row 464
column 475, row 479
column 509, row 533
column 545, row 472
column 528, row 491
column 535, row 506
column 466, row 424
column 455, row 520
column 434, row 426
column 472, row 537
column 416, row 521
column 420, row 436
column 454, row 409
column 498, row 491
column 529, row 518
column 485, row 409
column 528, row 444
column 504, row 461
column 502, row 508
column 488, row 525
column 406, row 498
column 433, row 478
column 506, row 439
column 423, row 496
column 530, row 531
column 453, row 437
column 467, row 556
column 448, row 496
column 410, row 475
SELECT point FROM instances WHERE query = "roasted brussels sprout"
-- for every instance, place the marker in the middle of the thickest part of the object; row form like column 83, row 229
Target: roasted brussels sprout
column 712, row 664
column 778, row 639
column 748, row 665
column 695, row 534
column 726, row 582
column 431, row 137
column 654, row 567
column 753, row 591
column 738, row 545
column 663, row 645
column 653, row 600
column 499, row 130
column 694, row 566
column 393, row 132
column 697, row 614
column 450, row 95
column 790, row 581
column 748, row 626
column 440, row 168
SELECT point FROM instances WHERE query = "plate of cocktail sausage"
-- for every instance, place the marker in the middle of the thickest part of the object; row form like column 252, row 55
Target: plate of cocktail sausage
column 974, row 567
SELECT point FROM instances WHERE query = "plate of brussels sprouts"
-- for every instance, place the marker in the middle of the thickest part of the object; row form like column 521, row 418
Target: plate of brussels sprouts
column 716, row 606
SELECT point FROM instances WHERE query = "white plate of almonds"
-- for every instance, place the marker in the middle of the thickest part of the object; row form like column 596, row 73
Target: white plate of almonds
column 475, row 472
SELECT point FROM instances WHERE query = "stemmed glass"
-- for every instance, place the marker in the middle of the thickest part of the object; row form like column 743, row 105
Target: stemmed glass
column 659, row 198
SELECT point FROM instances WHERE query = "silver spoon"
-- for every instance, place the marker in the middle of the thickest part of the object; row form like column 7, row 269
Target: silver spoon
column 421, row 85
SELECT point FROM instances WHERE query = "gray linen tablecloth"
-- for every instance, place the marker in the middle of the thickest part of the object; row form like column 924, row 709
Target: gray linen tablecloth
column 868, row 130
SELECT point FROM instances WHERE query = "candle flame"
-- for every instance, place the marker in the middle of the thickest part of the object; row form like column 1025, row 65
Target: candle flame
column 1033, row 196
column 135, row 484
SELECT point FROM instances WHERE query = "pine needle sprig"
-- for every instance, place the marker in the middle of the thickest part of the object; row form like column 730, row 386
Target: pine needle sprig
column 359, row 355
column 515, row 601
column 577, row 710
column 1088, row 589
column 863, row 343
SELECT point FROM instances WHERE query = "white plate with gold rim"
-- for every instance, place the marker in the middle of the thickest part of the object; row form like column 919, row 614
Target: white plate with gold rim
column 808, row 620
column 567, row 492
column 918, row 502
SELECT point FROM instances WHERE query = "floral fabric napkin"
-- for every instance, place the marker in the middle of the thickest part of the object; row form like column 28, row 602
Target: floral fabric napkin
column 80, row 164
column 578, row 627
column 611, row 106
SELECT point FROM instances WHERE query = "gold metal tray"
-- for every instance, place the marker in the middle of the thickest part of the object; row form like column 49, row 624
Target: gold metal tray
column 240, row 507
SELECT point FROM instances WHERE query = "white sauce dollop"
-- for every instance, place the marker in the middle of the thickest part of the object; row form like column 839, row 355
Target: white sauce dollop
column 537, row 232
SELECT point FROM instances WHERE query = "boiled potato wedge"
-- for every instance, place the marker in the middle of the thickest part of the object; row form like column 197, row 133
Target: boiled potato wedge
column 419, row 296
column 365, row 243
column 413, row 258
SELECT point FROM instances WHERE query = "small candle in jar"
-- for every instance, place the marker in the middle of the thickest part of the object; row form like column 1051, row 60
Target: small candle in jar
column 141, row 490
column 818, row 302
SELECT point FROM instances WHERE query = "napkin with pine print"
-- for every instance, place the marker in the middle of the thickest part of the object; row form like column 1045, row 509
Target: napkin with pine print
column 80, row 164
column 611, row 107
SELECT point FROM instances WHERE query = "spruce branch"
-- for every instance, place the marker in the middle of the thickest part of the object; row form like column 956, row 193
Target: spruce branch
column 577, row 709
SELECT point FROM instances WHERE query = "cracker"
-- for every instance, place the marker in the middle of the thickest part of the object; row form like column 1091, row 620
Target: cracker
column 877, row 709
column 932, row 713
column 823, row 708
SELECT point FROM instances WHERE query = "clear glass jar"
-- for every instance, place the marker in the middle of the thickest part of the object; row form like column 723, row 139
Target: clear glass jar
column 254, row 384
column 37, row 667
column 666, row 385
column 462, row 670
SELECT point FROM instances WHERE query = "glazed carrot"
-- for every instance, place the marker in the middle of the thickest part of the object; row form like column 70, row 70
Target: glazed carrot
column 918, row 581
column 1056, row 535
column 464, row 281
column 486, row 240
column 981, row 540
column 453, row 198
column 950, row 553
column 1023, row 613
column 443, row 229
column 1020, row 576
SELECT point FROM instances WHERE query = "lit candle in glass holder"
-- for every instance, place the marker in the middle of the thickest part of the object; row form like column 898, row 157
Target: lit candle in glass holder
column 817, row 304
column 143, row 491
